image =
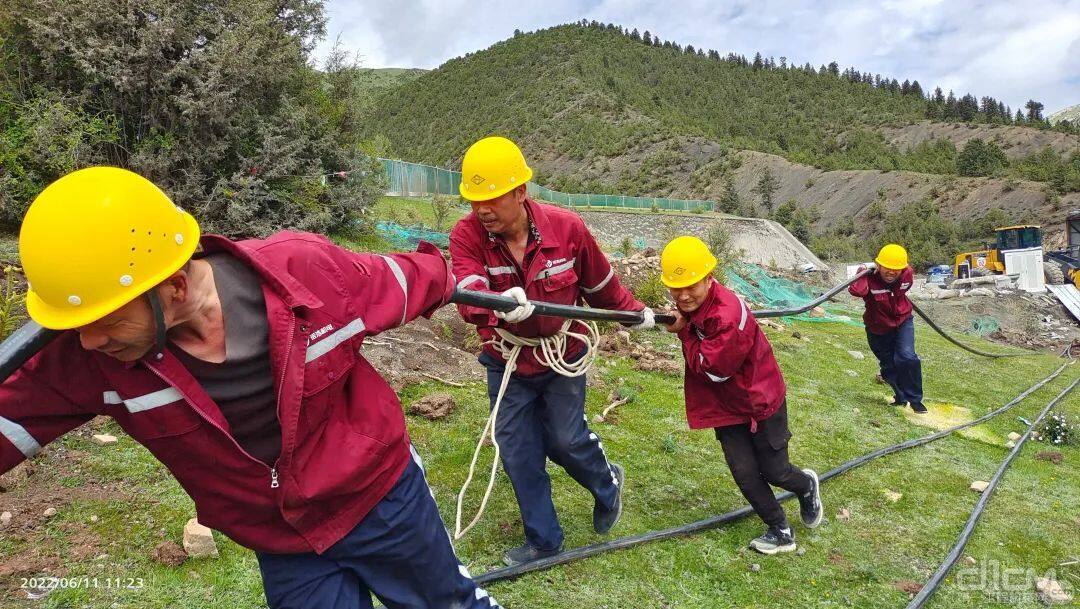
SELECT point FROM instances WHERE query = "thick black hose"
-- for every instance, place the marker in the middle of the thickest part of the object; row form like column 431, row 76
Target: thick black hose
column 952, row 340
column 813, row 303
column 954, row 554
column 716, row 521
column 21, row 345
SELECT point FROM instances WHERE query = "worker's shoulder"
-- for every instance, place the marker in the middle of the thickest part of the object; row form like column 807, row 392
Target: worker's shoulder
column 466, row 227
column 287, row 240
column 726, row 308
column 564, row 220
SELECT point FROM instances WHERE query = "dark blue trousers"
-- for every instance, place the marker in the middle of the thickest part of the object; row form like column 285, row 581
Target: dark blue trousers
column 400, row 551
column 543, row 417
column 900, row 366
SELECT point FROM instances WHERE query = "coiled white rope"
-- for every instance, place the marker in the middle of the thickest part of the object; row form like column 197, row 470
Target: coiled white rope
column 549, row 352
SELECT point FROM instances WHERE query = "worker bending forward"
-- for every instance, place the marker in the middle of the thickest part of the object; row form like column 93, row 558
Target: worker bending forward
column 734, row 385
column 890, row 328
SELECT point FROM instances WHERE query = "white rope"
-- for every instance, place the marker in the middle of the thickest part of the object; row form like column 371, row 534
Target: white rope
column 549, row 352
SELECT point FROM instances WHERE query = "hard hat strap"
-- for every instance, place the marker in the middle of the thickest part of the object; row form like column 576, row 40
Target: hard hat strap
column 159, row 320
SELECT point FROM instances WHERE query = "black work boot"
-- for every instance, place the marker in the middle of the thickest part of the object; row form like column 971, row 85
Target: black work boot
column 603, row 519
column 775, row 540
column 526, row 553
column 810, row 504
column 918, row 407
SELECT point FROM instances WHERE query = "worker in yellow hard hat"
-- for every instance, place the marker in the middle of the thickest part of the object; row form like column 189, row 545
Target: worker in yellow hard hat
column 523, row 249
column 890, row 328
column 238, row 365
column 734, row 386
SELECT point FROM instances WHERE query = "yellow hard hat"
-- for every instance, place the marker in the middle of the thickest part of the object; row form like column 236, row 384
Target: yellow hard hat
column 685, row 261
column 892, row 257
column 96, row 239
column 491, row 168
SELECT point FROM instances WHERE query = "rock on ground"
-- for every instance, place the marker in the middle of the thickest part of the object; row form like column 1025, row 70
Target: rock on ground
column 434, row 406
column 103, row 439
column 857, row 354
column 979, row 486
column 1051, row 592
column 199, row 540
column 1014, row 436
column 16, row 476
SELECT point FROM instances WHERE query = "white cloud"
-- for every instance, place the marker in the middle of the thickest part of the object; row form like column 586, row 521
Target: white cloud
column 1012, row 51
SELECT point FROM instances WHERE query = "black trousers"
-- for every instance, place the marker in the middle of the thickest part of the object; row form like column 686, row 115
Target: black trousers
column 759, row 459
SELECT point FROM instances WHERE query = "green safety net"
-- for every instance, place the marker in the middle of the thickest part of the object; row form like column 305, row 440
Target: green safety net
column 769, row 292
column 985, row 325
column 407, row 237
column 406, row 179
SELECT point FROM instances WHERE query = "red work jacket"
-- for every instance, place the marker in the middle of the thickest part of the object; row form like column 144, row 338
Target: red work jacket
column 344, row 443
column 732, row 377
column 887, row 304
column 562, row 264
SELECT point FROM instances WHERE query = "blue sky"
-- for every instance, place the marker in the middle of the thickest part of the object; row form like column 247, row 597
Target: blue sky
column 1012, row 50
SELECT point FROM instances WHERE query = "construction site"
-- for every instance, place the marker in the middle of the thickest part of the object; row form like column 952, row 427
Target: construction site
column 585, row 318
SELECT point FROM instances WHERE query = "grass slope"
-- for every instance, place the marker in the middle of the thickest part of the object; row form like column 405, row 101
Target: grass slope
column 674, row 476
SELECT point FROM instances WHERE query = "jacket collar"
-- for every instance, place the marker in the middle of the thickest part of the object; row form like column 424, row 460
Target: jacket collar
column 701, row 313
column 292, row 292
column 539, row 226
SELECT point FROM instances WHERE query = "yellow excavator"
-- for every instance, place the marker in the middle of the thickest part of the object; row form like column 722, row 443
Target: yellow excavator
column 991, row 261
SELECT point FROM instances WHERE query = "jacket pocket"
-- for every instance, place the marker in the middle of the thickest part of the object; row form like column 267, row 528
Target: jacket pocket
column 164, row 421
column 559, row 281
column 329, row 360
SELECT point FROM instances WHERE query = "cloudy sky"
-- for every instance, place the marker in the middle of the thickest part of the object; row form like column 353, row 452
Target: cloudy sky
column 1012, row 50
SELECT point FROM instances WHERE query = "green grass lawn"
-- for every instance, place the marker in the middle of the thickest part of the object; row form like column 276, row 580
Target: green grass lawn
column 674, row 476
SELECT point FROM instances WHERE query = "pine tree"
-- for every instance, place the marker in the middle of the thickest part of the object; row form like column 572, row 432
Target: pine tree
column 766, row 187
column 634, row 35
column 758, row 62
column 647, row 38
column 1034, row 111
column 729, row 202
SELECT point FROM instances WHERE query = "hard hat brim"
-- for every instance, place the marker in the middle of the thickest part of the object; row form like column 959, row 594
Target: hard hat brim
column 706, row 273
column 891, row 267
column 480, row 197
column 67, row 318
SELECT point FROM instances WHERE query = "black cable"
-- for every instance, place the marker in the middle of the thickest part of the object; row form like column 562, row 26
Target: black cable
column 952, row 340
column 813, row 303
column 21, row 345
column 567, row 556
column 954, row 554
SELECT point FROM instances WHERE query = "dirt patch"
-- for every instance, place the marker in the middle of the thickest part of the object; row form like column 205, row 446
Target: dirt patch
column 434, row 406
column 646, row 358
column 441, row 348
column 907, row 586
column 170, row 554
column 1052, row 456
column 28, row 502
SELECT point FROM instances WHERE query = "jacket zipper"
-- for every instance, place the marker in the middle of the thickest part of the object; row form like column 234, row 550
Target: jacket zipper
column 284, row 368
column 281, row 385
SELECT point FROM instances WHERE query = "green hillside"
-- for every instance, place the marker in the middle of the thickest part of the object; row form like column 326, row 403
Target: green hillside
column 602, row 111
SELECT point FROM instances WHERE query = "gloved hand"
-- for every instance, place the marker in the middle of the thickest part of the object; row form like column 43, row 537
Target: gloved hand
column 648, row 320
column 522, row 312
